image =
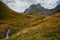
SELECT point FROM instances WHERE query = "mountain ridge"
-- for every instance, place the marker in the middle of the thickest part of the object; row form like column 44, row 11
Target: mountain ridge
column 38, row 9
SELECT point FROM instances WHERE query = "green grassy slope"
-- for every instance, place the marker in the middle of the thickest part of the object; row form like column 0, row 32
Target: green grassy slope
column 46, row 29
column 6, row 12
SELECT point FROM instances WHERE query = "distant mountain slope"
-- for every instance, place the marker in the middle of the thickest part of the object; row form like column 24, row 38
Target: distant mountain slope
column 38, row 9
column 6, row 12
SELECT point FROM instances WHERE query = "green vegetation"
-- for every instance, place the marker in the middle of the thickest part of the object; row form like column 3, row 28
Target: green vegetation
column 48, row 29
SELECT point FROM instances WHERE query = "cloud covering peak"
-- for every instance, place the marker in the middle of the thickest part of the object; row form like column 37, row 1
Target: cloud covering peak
column 21, row 5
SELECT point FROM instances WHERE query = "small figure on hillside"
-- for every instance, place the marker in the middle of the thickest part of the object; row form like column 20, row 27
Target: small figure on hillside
column 8, row 31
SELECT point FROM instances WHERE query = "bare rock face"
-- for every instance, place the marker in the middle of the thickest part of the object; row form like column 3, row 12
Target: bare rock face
column 38, row 9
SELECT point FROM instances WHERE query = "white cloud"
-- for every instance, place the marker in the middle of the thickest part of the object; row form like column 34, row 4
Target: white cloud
column 58, row 2
column 21, row 5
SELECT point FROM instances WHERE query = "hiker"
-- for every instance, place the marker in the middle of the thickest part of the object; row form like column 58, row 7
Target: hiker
column 8, row 31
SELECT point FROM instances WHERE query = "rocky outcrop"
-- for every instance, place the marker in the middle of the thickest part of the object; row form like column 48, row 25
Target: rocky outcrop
column 37, row 8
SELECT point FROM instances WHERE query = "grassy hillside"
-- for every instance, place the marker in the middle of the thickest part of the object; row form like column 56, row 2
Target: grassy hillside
column 29, row 27
column 7, row 17
column 46, row 29
column 6, row 12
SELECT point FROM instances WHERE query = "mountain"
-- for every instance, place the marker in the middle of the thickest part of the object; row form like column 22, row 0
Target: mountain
column 29, row 27
column 38, row 9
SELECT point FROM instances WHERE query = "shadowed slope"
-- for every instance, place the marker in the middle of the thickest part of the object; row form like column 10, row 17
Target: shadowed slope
column 6, row 12
column 7, row 17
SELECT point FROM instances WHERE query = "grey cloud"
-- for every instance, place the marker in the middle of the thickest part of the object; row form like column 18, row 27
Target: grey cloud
column 43, row 3
column 58, row 2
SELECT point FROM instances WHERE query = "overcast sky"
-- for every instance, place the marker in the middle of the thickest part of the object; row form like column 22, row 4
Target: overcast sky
column 21, row 5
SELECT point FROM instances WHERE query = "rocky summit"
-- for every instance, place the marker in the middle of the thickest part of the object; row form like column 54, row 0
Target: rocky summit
column 38, row 9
